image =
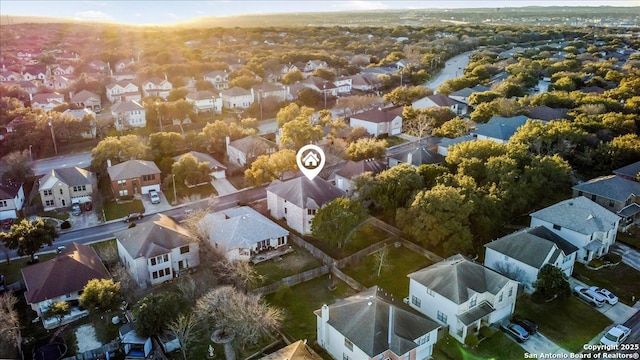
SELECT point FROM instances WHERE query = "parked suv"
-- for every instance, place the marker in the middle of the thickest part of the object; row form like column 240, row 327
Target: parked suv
column 515, row 331
column 76, row 210
column 608, row 296
column 526, row 324
column 589, row 296
column 133, row 216
column 155, row 198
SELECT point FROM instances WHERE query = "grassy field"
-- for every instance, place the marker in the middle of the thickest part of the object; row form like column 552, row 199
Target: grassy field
column 622, row 280
column 394, row 140
column 570, row 323
column 298, row 261
column 365, row 236
column 12, row 271
column 400, row 262
column 498, row 346
column 113, row 210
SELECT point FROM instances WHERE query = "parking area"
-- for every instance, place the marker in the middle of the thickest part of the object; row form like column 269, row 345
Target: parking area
column 618, row 313
column 86, row 219
column 150, row 208
column 539, row 344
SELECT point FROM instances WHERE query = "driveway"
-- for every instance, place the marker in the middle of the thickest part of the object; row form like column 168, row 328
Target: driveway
column 539, row 344
column 618, row 313
column 85, row 220
column 223, row 187
column 150, row 208
column 630, row 256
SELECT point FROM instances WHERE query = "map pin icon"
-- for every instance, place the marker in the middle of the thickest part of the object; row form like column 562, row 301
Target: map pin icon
column 310, row 160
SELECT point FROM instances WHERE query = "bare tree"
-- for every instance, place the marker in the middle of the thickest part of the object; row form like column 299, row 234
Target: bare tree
column 237, row 273
column 382, row 260
column 511, row 271
column 185, row 329
column 9, row 321
column 108, row 252
column 127, row 284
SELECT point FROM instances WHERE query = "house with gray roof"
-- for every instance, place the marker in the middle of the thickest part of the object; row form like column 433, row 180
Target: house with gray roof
column 217, row 168
column 615, row 193
column 446, row 143
column 499, row 129
column 297, row 200
column 415, row 155
column 242, row 152
column 582, row 222
column 242, row 232
column 521, row 255
column 157, row 250
column 374, row 325
column 134, row 177
column 629, row 172
column 463, row 95
column 462, row 294
column 546, row 113
column 60, row 188
column 437, row 100
column 345, row 175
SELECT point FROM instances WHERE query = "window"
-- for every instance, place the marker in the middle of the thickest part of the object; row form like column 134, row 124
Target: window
column 153, row 261
column 473, row 302
column 557, row 227
column 49, row 203
column 345, row 357
column 348, row 344
column 500, row 298
column 430, row 292
column 610, row 203
column 148, row 177
column 285, row 210
column 47, row 192
column 566, row 258
column 123, row 192
column 184, row 249
column 510, row 292
column 593, row 198
column 155, row 274
column 122, row 182
column 3, row 203
column 442, row 317
column 165, row 257
column 61, row 192
column 167, row 271
column 311, row 211
column 161, row 273
column 416, row 301
column 80, row 188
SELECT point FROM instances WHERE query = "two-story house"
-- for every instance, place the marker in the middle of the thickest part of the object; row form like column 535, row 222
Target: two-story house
column 268, row 90
column 219, row 79
column 11, row 199
column 88, row 100
column 344, row 177
column 134, row 178
column 297, row 200
column 372, row 325
column 63, row 187
column 242, row 152
column 205, row 100
column 157, row 87
column 46, row 101
column 237, row 98
column 520, row 255
column 123, row 91
column 379, row 121
column 437, row 100
column 462, row 294
column 128, row 114
column 157, row 250
column 585, row 224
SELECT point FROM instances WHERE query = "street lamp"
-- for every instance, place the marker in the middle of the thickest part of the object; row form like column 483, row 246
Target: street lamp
column 324, row 91
column 53, row 135
column 175, row 197
column 260, row 102
column 158, row 115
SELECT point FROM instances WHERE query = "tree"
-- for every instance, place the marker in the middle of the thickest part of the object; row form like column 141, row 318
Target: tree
column 16, row 166
column 326, row 74
column 452, row 129
column 356, row 133
column 57, row 310
column 267, row 168
column 102, row 295
column 382, row 260
column 9, row 320
column 118, row 149
column 177, row 94
column 292, row 112
column 246, row 316
column 185, row 329
column 552, row 283
column 29, row 236
column 292, row 77
column 164, row 144
column 336, row 220
column 240, row 274
column 367, row 148
column 299, row 132
column 422, row 121
column 189, row 170
column 405, row 96
column 155, row 311
column 392, row 188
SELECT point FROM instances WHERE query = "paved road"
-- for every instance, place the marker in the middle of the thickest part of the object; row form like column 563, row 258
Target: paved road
column 43, row 166
column 452, row 68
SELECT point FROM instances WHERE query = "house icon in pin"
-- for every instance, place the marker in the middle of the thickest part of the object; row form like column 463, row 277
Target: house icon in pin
column 311, row 160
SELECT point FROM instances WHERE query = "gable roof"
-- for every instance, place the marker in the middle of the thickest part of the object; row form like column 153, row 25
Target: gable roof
column 240, row 228
column 578, row 214
column 9, row 189
column 253, row 143
column 630, row 171
column 546, row 113
column 45, row 98
column 532, row 246
column 354, row 168
column 79, row 113
column 66, row 273
column 84, row 95
column 132, row 169
column 72, row 176
column 236, row 91
column 419, row 155
column 305, row 193
column 441, row 100
column 611, row 187
column 130, row 105
column 155, row 237
column 458, row 279
column 205, row 158
column 298, row 350
column 201, row 95
column 375, row 323
column 379, row 115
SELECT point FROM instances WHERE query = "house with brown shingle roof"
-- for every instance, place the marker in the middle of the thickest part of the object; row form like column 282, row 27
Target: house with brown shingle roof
column 436, row 100
column 351, row 169
column 134, row 177
column 379, row 121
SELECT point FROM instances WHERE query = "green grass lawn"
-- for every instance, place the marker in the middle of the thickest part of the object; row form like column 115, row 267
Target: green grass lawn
column 632, row 237
column 12, row 271
column 570, row 322
column 54, row 214
column 296, row 262
column 622, row 280
column 394, row 140
column 113, row 210
column 401, row 261
column 365, row 236
column 498, row 346
column 186, row 194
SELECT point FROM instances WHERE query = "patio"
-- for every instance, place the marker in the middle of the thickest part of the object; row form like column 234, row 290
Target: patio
column 275, row 254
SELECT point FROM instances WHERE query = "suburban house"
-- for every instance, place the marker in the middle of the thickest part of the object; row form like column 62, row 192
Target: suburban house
column 62, row 187
column 123, row 91
column 8, row 75
column 62, row 279
column 217, row 169
column 128, row 114
column 499, row 129
column 629, row 172
column 373, row 325
column 313, row 65
column 157, row 87
column 298, row 350
column 46, row 101
column 88, row 100
column 59, row 82
column 616, row 193
column 269, row 90
column 205, row 100
column 36, row 72
column 81, row 114
column 157, row 250
column 361, row 83
column 379, row 121
column 520, row 255
column 437, row 100
column 462, row 294
column 219, row 79
column 236, row 97
column 243, row 152
column 414, row 154
column 11, row 199
column 344, row 84
column 320, row 85
column 99, row 65
column 446, row 143
column 463, row 95
column 545, row 113
column 134, row 177
column 585, row 224
column 241, row 232
column 297, row 200
column 63, row 70
column 344, row 177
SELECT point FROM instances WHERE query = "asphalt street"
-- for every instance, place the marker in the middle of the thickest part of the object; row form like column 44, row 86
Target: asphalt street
column 452, row 69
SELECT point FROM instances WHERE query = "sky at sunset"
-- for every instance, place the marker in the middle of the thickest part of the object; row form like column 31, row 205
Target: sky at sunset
column 168, row 12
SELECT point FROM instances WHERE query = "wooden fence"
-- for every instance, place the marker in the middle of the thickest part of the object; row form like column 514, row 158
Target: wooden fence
column 347, row 279
column 317, row 253
column 293, row 280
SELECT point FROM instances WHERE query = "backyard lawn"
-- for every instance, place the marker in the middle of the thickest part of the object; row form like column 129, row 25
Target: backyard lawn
column 114, row 211
column 400, row 262
column 12, row 271
column 622, row 280
column 296, row 262
column 632, row 237
column 498, row 346
column 570, row 323
column 365, row 236
column 394, row 140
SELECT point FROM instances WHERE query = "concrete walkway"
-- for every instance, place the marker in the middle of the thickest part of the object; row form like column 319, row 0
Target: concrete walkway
column 630, row 256
column 223, row 187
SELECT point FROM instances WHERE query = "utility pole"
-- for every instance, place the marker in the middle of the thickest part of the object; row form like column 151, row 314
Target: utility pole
column 53, row 135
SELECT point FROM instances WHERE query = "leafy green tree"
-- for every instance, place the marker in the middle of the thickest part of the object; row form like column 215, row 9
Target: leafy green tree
column 118, row 149
column 155, row 311
column 292, row 112
column 299, row 132
column 177, row 94
column 335, row 221
column 483, row 97
column 325, row 74
column 366, row 148
column 555, row 137
column 404, row 96
column 16, row 166
column 430, row 174
column 292, row 77
column 164, row 144
column 552, row 283
column 393, row 188
column 189, row 170
column 452, row 129
column 102, row 295
column 29, row 236
column 57, row 310
column 267, row 168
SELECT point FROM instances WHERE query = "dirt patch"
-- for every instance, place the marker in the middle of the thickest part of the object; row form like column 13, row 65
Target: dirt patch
column 86, row 338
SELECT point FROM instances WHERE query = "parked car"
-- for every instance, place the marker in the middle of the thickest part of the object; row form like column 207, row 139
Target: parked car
column 155, row 198
column 589, row 296
column 616, row 335
column 608, row 296
column 133, row 216
column 515, row 331
column 526, row 324
column 75, row 209
column 60, row 249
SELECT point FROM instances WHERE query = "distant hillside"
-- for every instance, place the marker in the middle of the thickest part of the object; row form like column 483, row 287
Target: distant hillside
column 16, row 19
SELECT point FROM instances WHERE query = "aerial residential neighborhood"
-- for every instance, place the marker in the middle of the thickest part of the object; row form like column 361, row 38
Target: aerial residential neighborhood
column 473, row 188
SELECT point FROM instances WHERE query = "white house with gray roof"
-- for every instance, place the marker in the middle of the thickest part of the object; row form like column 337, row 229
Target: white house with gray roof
column 157, row 250
column 462, row 294
column 61, row 187
column 242, row 232
column 373, row 325
column 585, row 224
column 297, row 200
column 521, row 255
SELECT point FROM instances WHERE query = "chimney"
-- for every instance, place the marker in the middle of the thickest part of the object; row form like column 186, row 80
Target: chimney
column 253, row 95
column 108, row 163
column 390, row 334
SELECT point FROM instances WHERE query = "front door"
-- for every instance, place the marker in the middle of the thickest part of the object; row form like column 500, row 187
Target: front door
column 135, row 188
column 182, row 264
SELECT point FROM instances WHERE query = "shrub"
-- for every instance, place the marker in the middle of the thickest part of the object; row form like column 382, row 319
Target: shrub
column 486, row 332
column 612, row 258
column 472, row 340
column 596, row 263
column 65, row 225
column 126, row 198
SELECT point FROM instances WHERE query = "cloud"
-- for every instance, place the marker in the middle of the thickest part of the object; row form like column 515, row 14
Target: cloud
column 173, row 16
column 361, row 5
column 93, row 15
